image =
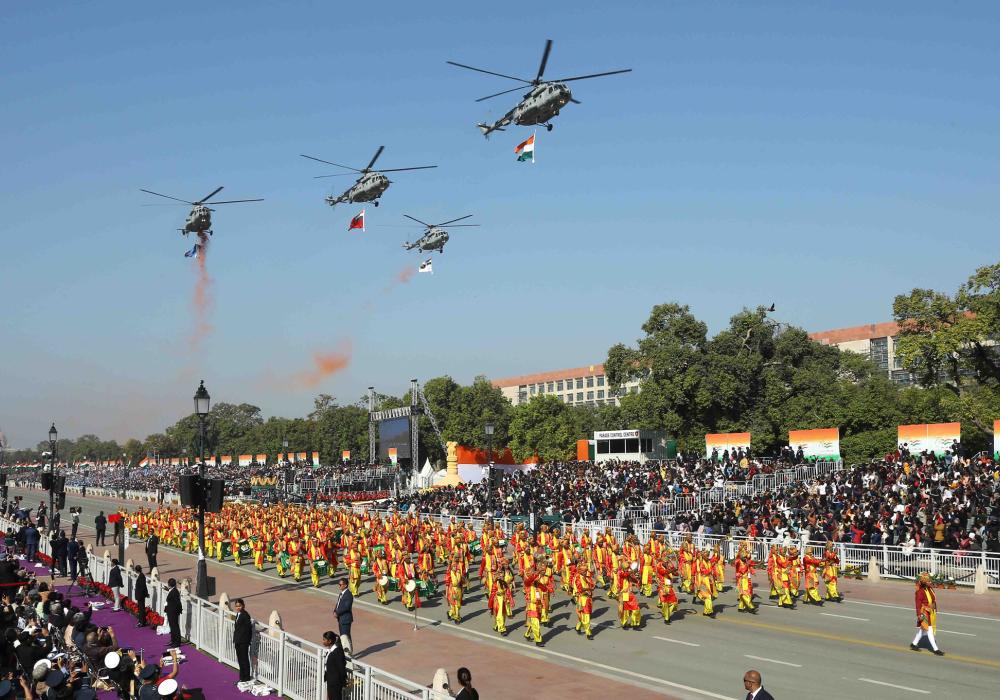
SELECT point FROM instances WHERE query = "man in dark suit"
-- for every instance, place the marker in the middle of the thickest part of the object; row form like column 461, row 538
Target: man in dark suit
column 345, row 615
column 335, row 671
column 141, row 593
column 173, row 610
column 752, row 684
column 242, row 636
column 101, row 525
column 152, row 546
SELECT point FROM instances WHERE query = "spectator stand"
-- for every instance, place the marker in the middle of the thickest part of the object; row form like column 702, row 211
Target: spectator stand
column 288, row 664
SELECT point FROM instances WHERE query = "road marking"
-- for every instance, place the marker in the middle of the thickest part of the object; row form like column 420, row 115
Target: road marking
column 893, row 685
column 851, row 640
column 521, row 648
column 910, row 609
column 676, row 641
column 964, row 634
column 773, row 661
column 847, row 617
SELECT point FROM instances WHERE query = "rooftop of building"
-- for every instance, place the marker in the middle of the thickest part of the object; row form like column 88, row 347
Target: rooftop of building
column 866, row 332
column 573, row 373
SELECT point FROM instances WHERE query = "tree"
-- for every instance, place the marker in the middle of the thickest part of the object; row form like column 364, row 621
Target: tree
column 546, row 427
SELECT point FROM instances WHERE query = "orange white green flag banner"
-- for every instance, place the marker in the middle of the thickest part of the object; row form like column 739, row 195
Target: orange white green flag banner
column 819, row 443
column 929, row 437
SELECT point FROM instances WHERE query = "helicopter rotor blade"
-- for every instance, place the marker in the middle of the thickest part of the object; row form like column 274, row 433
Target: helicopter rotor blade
column 575, row 101
column 237, row 201
column 317, row 177
column 205, row 199
column 593, row 75
column 545, row 60
column 445, row 223
column 422, row 223
column 396, row 170
column 500, row 93
column 375, row 158
column 461, row 225
column 176, row 199
column 320, row 160
column 489, row 72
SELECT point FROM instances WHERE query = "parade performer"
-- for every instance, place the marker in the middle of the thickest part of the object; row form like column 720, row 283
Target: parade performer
column 719, row 563
column 627, row 578
column 501, row 604
column 646, row 570
column 665, row 572
column 812, row 567
column 744, row 566
column 453, row 579
column 353, row 563
column 583, row 590
column 705, row 582
column 532, row 607
column 831, row 570
column 380, row 570
column 772, row 572
column 298, row 561
column 794, row 571
column 782, row 567
column 686, row 558
column 925, row 603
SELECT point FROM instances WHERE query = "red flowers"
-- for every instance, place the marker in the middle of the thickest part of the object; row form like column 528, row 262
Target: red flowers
column 130, row 605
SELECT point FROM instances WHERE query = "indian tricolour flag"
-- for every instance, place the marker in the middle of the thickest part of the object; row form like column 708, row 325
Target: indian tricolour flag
column 526, row 150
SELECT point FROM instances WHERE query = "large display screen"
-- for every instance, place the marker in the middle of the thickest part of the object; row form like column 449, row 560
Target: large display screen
column 394, row 433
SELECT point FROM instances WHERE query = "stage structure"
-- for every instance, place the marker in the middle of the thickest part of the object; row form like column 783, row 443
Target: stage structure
column 398, row 428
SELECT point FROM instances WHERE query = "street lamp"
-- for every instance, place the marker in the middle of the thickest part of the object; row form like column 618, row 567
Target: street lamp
column 53, row 439
column 202, row 403
column 488, row 429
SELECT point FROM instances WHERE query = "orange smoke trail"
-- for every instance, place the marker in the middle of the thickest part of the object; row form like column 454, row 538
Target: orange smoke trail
column 326, row 364
column 402, row 277
column 202, row 301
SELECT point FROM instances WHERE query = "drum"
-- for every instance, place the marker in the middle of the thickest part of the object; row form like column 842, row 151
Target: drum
column 411, row 586
column 476, row 546
column 338, row 534
column 245, row 548
column 270, row 550
column 383, row 580
column 393, row 583
column 284, row 561
column 378, row 550
column 321, row 567
column 366, row 567
column 427, row 588
column 227, row 549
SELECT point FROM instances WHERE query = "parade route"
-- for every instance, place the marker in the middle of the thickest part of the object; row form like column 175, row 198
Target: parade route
column 859, row 647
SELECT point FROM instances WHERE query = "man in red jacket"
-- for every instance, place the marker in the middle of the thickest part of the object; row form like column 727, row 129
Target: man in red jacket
column 925, row 603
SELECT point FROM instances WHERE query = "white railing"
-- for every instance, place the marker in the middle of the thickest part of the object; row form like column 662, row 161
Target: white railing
column 291, row 665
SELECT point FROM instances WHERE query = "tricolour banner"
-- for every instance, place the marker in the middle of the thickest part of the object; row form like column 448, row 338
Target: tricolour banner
column 225, row 460
column 315, row 459
column 933, row 437
column 726, row 441
column 996, row 439
column 261, row 459
column 210, row 461
column 819, row 443
column 393, row 455
column 345, row 455
column 245, row 460
column 300, row 457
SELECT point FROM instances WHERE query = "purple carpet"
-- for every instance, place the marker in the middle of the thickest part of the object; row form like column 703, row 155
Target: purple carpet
column 198, row 671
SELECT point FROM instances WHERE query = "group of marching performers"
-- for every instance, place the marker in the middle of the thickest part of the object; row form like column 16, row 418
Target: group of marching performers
column 405, row 553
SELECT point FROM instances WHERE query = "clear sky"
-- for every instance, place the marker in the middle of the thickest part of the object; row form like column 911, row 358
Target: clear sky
column 823, row 156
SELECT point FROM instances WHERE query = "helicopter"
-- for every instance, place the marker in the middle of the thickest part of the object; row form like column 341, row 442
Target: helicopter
column 434, row 236
column 541, row 103
column 199, row 220
column 370, row 186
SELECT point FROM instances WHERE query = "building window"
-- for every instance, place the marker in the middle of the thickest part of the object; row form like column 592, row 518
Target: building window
column 902, row 377
column 590, row 396
column 878, row 349
column 646, row 445
column 541, row 388
column 579, row 396
column 549, row 387
column 579, row 383
column 568, row 398
column 632, row 445
column 600, row 381
column 522, row 396
column 559, row 385
column 590, row 382
column 531, row 389
column 600, row 393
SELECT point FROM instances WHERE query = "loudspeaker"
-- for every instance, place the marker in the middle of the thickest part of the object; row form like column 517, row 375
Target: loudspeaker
column 496, row 477
column 190, row 488
column 59, row 484
column 214, row 493
column 46, row 480
column 210, row 585
column 3, row 479
column 60, row 500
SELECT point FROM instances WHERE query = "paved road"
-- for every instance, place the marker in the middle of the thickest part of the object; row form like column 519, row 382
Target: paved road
column 858, row 648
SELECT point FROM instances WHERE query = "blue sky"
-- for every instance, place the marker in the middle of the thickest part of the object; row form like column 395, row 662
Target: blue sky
column 821, row 156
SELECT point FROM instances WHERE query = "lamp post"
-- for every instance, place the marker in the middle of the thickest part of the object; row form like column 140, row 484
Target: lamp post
column 488, row 429
column 53, row 439
column 202, row 402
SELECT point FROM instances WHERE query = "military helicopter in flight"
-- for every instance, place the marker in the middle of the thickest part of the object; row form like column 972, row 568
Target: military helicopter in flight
column 541, row 103
column 199, row 220
column 370, row 186
column 434, row 236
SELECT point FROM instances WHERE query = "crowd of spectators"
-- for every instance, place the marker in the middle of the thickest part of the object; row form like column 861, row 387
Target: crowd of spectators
column 948, row 502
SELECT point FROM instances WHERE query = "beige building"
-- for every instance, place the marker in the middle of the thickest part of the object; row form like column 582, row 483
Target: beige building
column 579, row 386
column 876, row 340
